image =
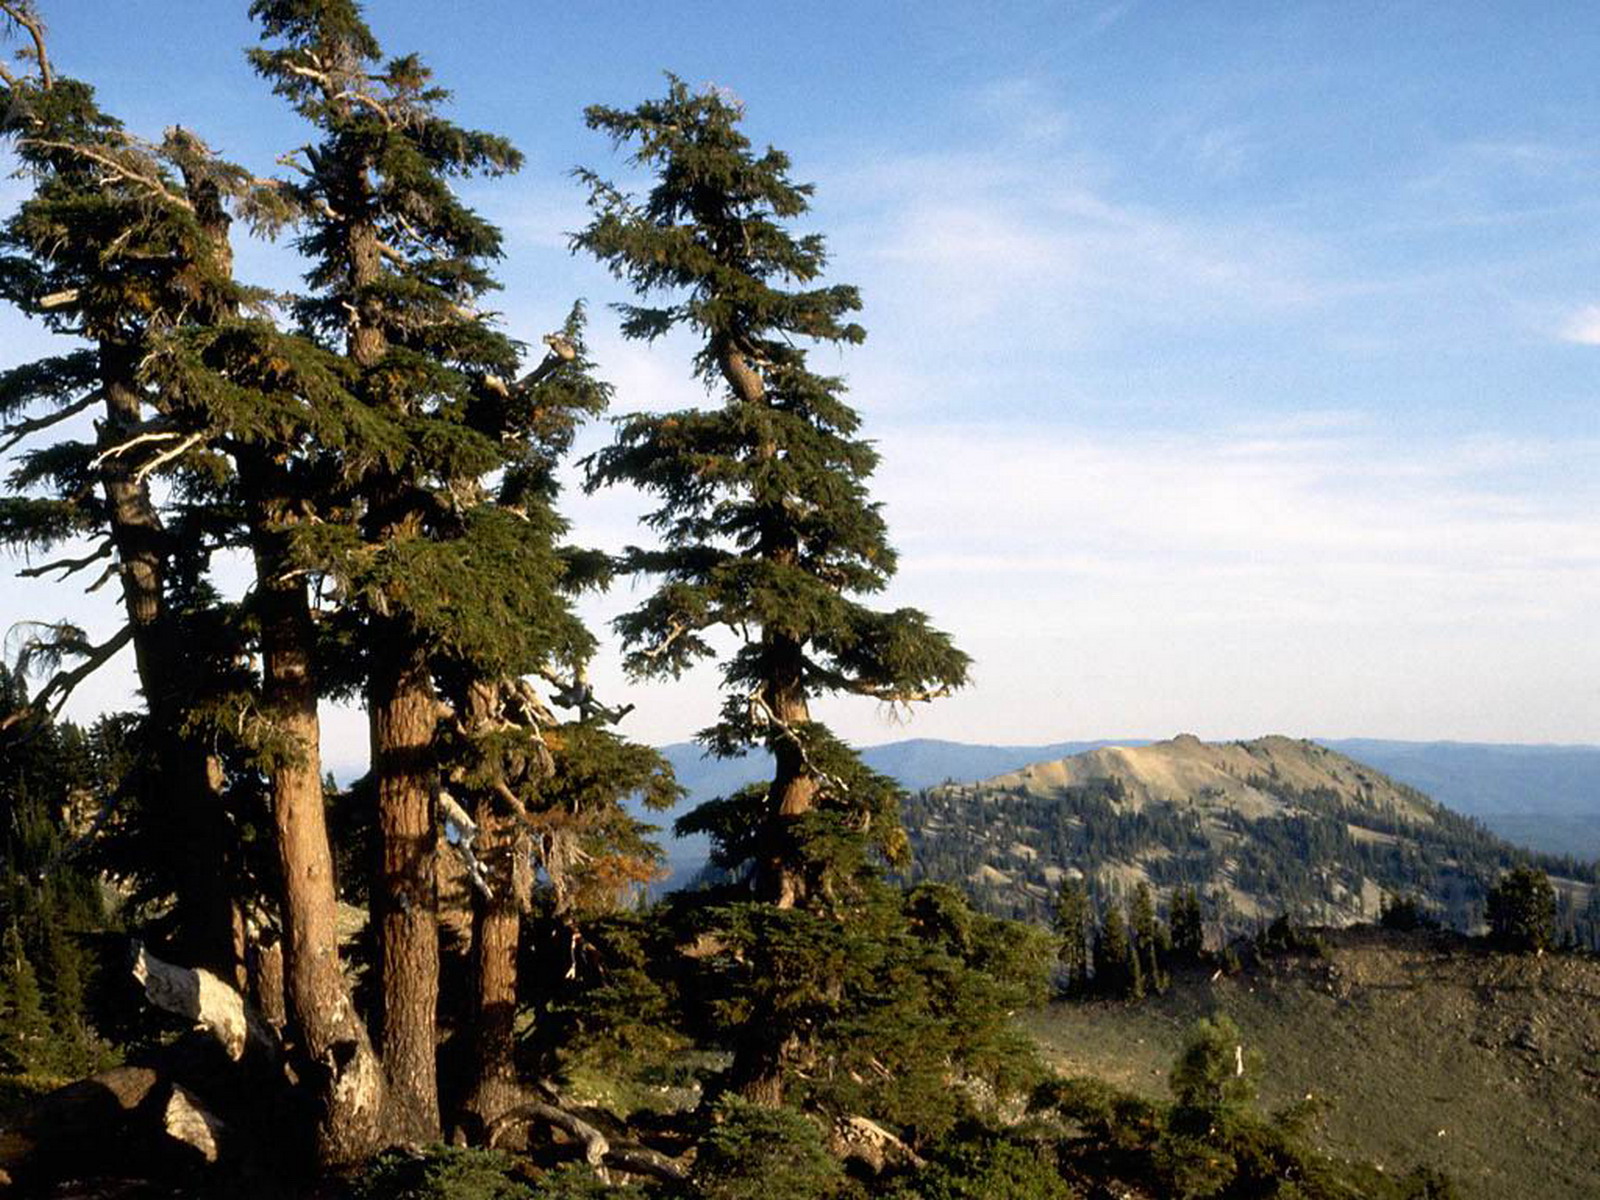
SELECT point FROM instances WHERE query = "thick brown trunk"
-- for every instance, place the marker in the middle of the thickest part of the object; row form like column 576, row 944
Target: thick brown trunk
column 793, row 793
column 186, row 783
column 331, row 1038
column 794, row 788
column 403, row 711
column 496, row 934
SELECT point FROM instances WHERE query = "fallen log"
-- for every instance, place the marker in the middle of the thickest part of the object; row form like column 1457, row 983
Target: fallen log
column 199, row 996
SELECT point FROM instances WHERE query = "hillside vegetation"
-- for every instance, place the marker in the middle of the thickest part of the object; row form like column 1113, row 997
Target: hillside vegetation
column 1264, row 828
column 1424, row 1049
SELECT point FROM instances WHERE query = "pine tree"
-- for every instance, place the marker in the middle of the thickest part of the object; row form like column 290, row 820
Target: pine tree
column 767, row 527
column 1113, row 950
column 115, row 242
column 1071, row 923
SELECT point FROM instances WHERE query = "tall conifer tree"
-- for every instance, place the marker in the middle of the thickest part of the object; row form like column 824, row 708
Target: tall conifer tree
column 455, row 581
column 396, row 266
column 767, row 527
column 117, row 243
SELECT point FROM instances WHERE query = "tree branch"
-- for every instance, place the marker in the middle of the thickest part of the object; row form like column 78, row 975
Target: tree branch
column 121, row 448
column 55, row 693
column 18, row 430
column 903, row 696
column 21, row 12
column 167, row 456
column 576, row 693
column 150, row 182
column 69, row 566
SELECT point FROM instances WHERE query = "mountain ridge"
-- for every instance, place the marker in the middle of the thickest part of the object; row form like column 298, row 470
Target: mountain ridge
column 1276, row 826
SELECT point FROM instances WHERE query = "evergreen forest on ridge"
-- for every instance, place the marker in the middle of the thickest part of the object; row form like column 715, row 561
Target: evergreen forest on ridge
column 226, row 971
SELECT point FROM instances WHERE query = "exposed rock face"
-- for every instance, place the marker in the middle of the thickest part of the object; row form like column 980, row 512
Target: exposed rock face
column 1248, row 778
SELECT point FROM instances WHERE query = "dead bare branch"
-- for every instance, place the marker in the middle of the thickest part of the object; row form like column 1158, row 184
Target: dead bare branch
column 167, row 456
column 151, row 182
column 121, row 448
column 22, row 13
column 50, row 699
column 69, row 566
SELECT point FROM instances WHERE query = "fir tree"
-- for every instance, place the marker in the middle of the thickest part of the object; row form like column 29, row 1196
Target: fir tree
column 117, row 241
column 767, row 527
column 25, row 1036
column 1150, row 945
column 456, row 585
column 767, row 532
column 1113, row 950
column 1521, row 910
column 1187, row 926
column 1072, row 920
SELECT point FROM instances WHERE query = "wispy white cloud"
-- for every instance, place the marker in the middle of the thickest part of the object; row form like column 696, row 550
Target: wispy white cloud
column 1582, row 327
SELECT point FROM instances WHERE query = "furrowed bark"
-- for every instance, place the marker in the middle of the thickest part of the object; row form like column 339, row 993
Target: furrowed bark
column 402, row 721
column 331, row 1037
column 758, row 1060
column 400, row 714
column 496, row 933
column 794, row 788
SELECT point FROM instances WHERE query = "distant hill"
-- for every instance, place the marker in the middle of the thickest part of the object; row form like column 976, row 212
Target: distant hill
column 1546, row 797
column 1543, row 797
column 1267, row 827
column 915, row 763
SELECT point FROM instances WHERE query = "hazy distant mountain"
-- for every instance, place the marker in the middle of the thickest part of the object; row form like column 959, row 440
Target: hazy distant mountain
column 1275, row 825
column 915, row 763
column 1546, row 797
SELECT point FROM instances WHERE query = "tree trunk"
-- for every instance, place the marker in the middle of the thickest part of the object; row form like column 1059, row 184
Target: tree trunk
column 323, row 1020
column 402, row 714
column 496, row 936
column 186, row 783
column 780, row 878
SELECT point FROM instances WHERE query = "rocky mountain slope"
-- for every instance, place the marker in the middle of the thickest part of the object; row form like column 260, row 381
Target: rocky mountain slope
column 1425, row 1050
column 1271, row 826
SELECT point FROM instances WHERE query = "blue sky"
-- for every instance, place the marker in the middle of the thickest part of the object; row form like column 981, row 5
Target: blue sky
column 1233, row 365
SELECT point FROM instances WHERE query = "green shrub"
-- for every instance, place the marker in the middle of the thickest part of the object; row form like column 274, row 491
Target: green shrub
column 758, row 1153
column 985, row 1166
column 444, row 1173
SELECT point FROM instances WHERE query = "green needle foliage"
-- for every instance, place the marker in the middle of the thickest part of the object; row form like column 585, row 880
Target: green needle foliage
column 119, row 244
column 839, row 992
column 767, row 527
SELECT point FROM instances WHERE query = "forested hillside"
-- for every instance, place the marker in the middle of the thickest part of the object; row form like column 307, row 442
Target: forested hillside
column 1262, row 829
column 224, row 971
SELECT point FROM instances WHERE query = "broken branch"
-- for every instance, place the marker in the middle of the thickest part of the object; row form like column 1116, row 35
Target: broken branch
column 69, row 566
column 167, row 456
column 122, row 448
